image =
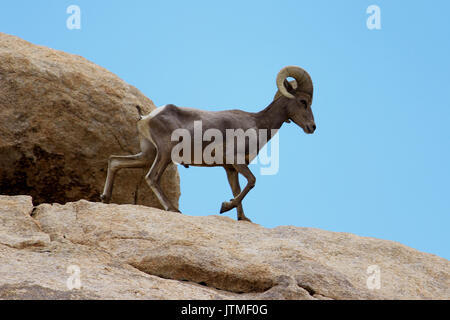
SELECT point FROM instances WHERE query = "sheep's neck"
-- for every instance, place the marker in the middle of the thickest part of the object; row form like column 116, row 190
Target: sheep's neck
column 273, row 116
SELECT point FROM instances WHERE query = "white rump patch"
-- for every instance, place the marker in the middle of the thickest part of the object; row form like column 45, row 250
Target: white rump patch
column 154, row 113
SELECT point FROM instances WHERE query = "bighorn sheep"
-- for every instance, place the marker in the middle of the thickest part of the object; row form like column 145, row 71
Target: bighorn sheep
column 292, row 102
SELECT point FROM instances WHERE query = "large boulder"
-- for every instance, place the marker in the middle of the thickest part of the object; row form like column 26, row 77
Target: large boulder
column 61, row 116
column 129, row 251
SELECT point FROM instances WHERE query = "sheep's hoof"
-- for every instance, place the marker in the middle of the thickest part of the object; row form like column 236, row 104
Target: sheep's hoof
column 244, row 218
column 227, row 206
column 104, row 198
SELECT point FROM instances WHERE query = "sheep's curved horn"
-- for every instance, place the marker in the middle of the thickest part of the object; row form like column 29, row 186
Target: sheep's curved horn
column 302, row 79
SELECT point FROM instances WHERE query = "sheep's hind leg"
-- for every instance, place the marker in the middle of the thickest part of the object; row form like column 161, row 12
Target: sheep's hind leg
column 245, row 171
column 153, row 179
column 233, row 180
column 115, row 163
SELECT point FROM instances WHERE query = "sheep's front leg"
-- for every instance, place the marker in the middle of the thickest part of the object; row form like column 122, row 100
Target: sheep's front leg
column 245, row 171
column 115, row 163
column 233, row 180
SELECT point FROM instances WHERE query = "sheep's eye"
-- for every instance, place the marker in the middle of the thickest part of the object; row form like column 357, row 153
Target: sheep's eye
column 304, row 103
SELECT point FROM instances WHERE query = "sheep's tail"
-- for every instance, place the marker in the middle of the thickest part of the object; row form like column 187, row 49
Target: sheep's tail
column 140, row 112
column 143, row 125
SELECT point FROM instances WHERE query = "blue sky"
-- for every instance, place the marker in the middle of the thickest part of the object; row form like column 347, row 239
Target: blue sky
column 378, row 164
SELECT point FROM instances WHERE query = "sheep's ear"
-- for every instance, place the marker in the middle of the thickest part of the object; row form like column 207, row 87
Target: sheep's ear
column 288, row 86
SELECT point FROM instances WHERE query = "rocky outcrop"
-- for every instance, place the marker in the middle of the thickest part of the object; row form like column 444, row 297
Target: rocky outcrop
column 131, row 251
column 61, row 116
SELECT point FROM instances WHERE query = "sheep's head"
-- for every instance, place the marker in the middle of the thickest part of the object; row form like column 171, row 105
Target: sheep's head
column 299, row 94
